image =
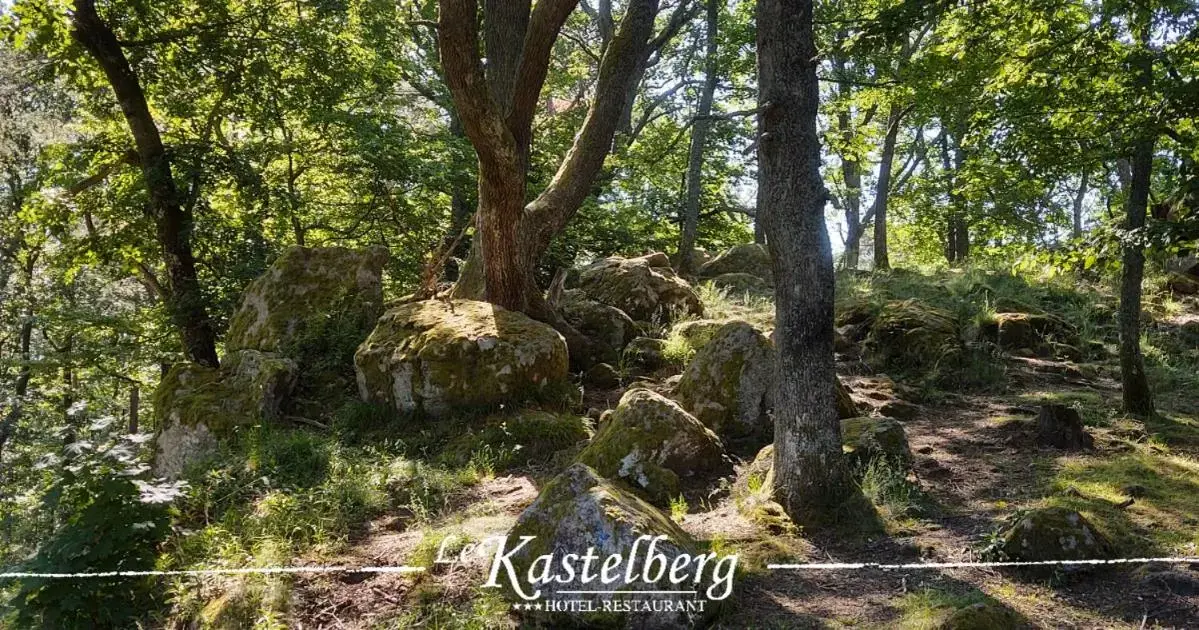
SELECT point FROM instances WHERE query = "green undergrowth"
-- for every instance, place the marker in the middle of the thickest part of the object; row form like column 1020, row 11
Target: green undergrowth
column 1164, row 488
column 935, row 609
column 272, row 495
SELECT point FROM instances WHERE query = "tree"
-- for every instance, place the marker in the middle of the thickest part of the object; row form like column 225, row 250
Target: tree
column 497, row 107
column 172, row 220
column 699, row 138
column 810, row 473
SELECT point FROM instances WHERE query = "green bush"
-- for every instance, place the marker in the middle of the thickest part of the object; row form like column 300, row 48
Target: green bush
column 110, row 519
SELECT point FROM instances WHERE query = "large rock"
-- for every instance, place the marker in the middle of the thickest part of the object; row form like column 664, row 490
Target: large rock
column 305, row 287
column 1031, row 331
column 728, row 384
column 741, row 284
column 650, row 443
column 695, row 333
column 908, row 335
column 1054, row 533
column 645, row 355
column 641, row 289
column 577, row 512
column 195, row 405
column 750, row 258
column 864, row 439
column 434, row 356
column 607, row 326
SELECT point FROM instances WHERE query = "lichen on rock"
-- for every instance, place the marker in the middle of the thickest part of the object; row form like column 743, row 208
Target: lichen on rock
column 579, row 511
column 640, row 288
column 434, row 356
column 728, row 384
column 864, row 439
column 303, row 284
column 651, row 444
column 748, row 258
column 1054, row 533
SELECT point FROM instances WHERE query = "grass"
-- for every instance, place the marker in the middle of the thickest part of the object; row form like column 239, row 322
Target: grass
column 928, row 609
column 897, row 497
column 1164, row 517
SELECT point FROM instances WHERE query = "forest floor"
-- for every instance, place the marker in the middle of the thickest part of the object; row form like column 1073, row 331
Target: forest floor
column 977, row 463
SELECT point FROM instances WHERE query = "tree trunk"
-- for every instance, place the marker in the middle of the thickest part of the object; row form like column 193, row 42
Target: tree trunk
column 135, row 401
column 851, row 169
column 512, row 235
column 1079, row 197
column 957, row 233
column 882, row 259
column 173, row 222
column 699, row 138
column 810, row 472
column 1138, row 399
column 8, row 425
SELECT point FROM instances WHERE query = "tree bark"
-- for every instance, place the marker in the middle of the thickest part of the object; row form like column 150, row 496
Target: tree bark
column 1138, row 398
column 699, row 139
column 173, row 222
column 810, row 472
column 8, row 425
column 957, row 233
column 135, row 402
column 512, row 234
column 882, row 192
column 1079, row 198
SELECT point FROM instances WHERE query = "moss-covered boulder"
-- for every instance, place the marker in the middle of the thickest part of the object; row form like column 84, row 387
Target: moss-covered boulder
column 696, row 333
column 195, row 405
column 864, row 439
column 741, row 284
column 651, row 444
column 989, row 615
column 608, row 327
column 728, row 384
column 1028, row 331
column 639, row 288
column 1054, row 533
column 579, row 511
column 306, row 286
column 434, row 356
column 644, row 355
column 909, row 335
column 749, row 258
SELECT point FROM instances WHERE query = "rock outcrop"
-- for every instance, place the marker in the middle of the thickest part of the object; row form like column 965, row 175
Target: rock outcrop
column 304, row 287
column 608, row 327
column 640, row 287
column 864, row 439
column 197, row 405
column 1054, row 533
column 749, row 258
column 580, row 512
column 741, row 284
column 908, row 335
column 434, row 356
column 309, row 298
column 651, row 444
column 1039, row 334
column 728, row 384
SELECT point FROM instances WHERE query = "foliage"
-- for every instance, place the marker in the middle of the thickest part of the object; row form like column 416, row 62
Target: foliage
column 110, row 517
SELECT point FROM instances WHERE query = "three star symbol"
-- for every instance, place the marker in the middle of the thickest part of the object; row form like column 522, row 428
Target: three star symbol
column 519, row 606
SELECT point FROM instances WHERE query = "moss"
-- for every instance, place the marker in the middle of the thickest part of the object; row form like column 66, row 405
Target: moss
column 305, row 284
column 1054, row 533
column 435, row 356
column 727, row 384
column 864, row 439
column 931, row 609
column 650, row 442
column 909, row 335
